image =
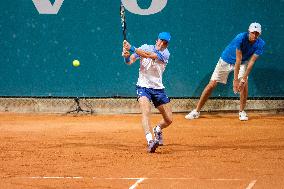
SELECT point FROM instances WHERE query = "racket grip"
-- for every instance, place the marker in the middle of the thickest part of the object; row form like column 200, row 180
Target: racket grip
column 126, row 60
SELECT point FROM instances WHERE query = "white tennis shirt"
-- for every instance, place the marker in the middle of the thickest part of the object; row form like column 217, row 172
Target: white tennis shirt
column 151, row 71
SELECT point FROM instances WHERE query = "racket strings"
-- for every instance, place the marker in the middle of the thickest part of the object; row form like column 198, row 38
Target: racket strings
column 123, row 21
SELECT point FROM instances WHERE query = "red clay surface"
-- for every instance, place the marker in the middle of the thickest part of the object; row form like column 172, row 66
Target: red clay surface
column 109, row 151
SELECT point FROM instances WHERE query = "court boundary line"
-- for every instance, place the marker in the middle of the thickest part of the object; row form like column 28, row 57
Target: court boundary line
column 137, row 183
column 140, row 180
column 251, row 184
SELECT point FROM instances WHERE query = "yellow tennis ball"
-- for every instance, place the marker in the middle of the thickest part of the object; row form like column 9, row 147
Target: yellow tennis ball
column 76, row 63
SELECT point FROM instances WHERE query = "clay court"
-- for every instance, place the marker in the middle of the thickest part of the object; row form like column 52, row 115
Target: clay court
column 47, row 151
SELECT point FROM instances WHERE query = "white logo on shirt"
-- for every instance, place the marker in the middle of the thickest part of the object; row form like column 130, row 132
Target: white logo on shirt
column 147, row 63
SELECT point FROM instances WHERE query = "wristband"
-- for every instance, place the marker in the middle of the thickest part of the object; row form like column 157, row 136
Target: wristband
column 127, row 59
column 132, row 49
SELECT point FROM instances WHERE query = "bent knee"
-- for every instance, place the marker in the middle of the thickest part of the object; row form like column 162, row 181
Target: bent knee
column 169, row 121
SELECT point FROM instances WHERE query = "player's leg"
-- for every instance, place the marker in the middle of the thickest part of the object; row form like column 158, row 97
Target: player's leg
column 243, row 94
column 166, row 111
column 194, row 114
column 243, row 97
column 162, row 103
column 206, row 94
column 144, row 99
column 145, row 108
column 167, row 119
column 220, row 75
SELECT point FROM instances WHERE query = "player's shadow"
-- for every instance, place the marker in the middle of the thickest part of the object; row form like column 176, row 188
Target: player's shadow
column 264, row 82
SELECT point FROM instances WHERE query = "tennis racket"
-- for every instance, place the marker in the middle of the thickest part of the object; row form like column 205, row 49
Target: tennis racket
column 123, row 21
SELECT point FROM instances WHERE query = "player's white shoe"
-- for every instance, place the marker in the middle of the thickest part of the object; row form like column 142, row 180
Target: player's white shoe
column 243, row 116
column 152, row 146
column 193, row 115
column 158, row 136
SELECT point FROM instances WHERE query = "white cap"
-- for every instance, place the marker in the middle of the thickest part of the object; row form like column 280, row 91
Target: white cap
column 255, row 27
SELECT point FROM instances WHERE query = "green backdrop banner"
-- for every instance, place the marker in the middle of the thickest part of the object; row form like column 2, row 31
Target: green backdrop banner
column 38, row 43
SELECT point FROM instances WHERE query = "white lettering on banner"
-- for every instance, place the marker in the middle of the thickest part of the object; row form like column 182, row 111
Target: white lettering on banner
column 155, row 7
column 45, row 6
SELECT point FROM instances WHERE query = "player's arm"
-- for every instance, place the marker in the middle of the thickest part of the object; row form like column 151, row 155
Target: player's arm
column 249, row 68
column 141, row 53
column 128, row 59
column 145, row 54
column 239, row 56
column 251, row 62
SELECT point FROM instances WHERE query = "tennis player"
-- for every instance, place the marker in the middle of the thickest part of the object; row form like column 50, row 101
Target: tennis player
column 240, row 56
column 150, row 88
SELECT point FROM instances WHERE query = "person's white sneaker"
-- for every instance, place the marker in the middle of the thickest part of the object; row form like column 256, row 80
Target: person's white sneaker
column 158, row 136
column 243, row 116
column 193, row 115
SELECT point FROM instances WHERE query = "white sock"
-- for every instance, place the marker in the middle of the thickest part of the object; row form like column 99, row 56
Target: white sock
column 149, row 137
column 158, row 128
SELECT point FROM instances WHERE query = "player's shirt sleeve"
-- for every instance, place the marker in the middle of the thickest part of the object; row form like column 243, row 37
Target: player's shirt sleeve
column 260, row 48
column 144, row 47
column 238, row 40
column 163, row 56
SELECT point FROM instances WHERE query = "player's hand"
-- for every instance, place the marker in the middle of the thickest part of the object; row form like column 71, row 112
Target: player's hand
column 125, row 53
column 236, row 86
column 126, row 45
column 242, row 85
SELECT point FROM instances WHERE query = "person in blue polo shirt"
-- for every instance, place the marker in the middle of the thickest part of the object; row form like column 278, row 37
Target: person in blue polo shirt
column 240, row 56
column 149, row 87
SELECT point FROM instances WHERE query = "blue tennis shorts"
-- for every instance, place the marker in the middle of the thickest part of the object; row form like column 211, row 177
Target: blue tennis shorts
column 157, row 96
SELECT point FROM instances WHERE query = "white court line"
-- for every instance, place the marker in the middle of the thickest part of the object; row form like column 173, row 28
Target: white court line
column 192, row 178
column 139, row 180
column 161, row 178
column 110, row 178
column 251, row 184
column 136, row 183
column 53, row 177
column 117, row 178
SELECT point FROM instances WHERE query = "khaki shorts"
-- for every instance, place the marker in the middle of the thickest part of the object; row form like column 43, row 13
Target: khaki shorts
column 223, row 69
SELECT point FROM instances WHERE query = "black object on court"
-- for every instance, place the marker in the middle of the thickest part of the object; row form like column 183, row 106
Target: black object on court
column 78, row 108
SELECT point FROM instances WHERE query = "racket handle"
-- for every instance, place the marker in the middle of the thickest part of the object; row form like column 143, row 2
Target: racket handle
column 126, row 60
